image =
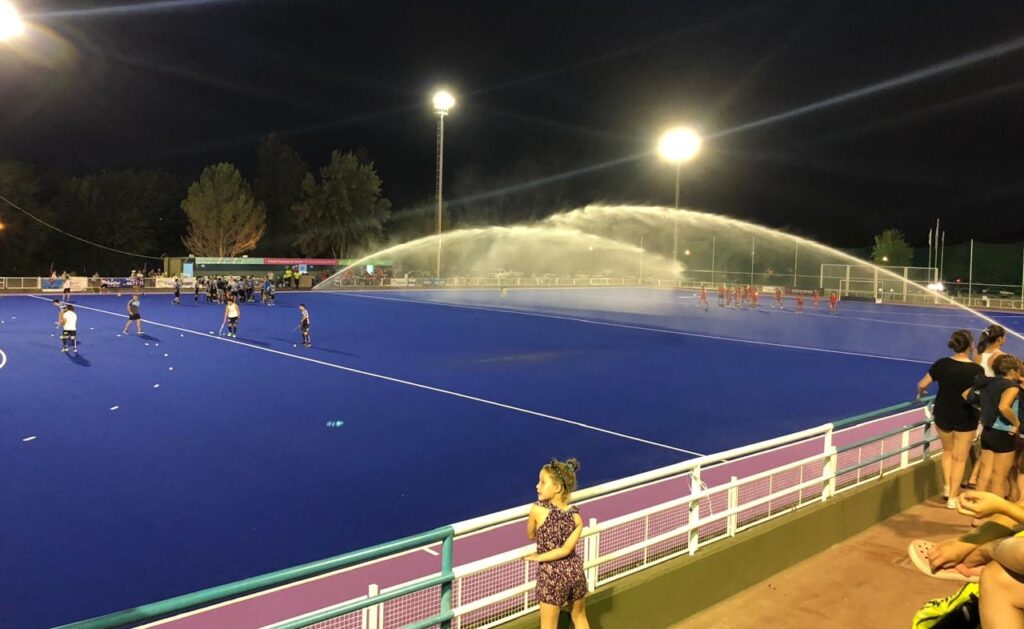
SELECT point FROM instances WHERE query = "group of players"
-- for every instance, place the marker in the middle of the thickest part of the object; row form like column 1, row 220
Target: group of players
column 741, row 297
column 232, row 295
column 219, row 289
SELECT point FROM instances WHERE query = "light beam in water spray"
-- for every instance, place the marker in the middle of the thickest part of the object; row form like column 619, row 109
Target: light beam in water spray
column 576, row 231
column 950, row 65
column 128, row 9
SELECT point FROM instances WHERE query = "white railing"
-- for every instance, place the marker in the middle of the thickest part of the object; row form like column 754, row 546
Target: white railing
column 502, row 585
column 716, row 497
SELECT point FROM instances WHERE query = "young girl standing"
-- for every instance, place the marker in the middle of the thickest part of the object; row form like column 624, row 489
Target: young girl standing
column 557, row 527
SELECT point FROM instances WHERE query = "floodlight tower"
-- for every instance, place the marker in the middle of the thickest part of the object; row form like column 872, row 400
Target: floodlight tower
column 443, row 101
column 11, row 24
column 676, row 146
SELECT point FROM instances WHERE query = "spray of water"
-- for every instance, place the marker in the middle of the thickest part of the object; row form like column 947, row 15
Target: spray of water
column 606, row 240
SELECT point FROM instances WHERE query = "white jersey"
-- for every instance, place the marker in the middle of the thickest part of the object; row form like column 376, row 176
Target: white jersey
column 232, row 311
column 986, row 363
column 70, row 321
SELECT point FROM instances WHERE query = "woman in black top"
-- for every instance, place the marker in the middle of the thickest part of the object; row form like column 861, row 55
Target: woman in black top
column 955, row 419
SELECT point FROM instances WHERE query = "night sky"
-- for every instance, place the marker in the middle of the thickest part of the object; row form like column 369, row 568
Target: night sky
column 548, row 88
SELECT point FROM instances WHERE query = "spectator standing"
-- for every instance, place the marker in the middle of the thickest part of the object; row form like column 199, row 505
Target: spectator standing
column 556, row 526
column 990, row 345
column 1000, row 422
column 955, row 419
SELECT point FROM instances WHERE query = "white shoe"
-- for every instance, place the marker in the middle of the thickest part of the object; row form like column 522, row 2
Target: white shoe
column 952, row 503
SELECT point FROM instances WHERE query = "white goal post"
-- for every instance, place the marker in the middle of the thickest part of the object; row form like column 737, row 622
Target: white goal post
column 870, row 282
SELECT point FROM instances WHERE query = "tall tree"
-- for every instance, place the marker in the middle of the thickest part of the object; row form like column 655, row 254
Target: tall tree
column 23, row 241
column 278, row 187
column 891, row 249
column 344, row 211
column 224, row 218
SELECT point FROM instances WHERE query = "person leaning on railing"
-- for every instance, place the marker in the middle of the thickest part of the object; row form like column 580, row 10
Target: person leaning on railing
column 955, row 419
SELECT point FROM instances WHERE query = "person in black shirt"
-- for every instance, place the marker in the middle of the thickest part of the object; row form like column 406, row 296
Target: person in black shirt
column 1000, row 422
column 955, row 419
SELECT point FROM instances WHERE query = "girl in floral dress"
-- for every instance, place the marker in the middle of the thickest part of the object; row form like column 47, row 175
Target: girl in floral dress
column 557, row 527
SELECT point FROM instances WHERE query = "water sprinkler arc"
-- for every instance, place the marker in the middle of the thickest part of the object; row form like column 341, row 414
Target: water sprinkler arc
column 573, row 224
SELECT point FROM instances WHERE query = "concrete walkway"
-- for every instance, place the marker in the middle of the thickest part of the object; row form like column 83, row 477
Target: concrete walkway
column 867, row 581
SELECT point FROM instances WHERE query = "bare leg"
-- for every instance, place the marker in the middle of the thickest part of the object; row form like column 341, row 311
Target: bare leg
column 985, row 475
column 1001, row 598
column 947, row 461
column 1001, row 464
column 961, row 447
column 579, row 615
column 548, row 616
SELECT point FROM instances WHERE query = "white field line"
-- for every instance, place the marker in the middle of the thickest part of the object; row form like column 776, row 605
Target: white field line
column 636, row 327
column 408, row 383
column 3, row 359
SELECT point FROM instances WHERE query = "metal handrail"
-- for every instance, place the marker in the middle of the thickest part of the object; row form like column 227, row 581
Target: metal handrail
column 186, row 602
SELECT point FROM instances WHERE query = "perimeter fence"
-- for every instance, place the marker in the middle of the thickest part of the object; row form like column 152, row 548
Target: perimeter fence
column 632, row 524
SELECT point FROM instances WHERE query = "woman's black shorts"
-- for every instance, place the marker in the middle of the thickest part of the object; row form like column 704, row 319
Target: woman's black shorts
column 134, row 317
column 998, row 441
column 958, row 424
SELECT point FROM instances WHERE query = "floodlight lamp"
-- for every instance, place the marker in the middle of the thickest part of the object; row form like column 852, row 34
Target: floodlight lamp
column 10, row 21
column 443, row 101
column 679, row 145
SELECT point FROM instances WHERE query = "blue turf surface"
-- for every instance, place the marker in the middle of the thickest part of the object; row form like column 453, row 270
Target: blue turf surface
column 234, row 466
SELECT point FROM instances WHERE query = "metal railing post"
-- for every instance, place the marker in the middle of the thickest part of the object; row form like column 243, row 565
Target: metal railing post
column 694, row 517
column 829, row 469
column 447, row 561
column 373, row 615
column 591, row 552
column 927, row 448
column 905, row 455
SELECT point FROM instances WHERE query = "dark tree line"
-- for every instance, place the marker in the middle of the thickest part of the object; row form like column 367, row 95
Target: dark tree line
column 114, row 222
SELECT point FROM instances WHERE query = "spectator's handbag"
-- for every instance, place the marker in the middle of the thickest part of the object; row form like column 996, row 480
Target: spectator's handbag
column 959, row 611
